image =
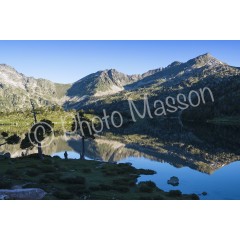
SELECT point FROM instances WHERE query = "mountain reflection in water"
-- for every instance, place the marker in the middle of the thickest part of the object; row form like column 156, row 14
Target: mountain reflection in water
column 197, row 154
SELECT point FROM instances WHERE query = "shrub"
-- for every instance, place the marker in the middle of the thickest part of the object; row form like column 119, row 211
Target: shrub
column 32, row 172
column 125, row 168
column 49, row 178
column 150, row 184
column 104, row 187
column 63, row 195
column 4, row 184
column 86, row 170
column 124, row 182
column 77, row 189
column 47, row 161
column 109, row 173
column 73, row 180
column 32, row 185
column 45, row 180
column 115, row 169
column 146, row 171
column 158, row 197
column 33, row 165
column 14, row 173
column 195, row 197
column 145, row 198
column 94, row 188
column 47, row 169
column 144, row 187
column 175, row 193
column 121, row 189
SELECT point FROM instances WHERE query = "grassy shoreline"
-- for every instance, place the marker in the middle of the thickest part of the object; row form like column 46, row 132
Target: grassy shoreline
column 22, row 122
column 82, row 179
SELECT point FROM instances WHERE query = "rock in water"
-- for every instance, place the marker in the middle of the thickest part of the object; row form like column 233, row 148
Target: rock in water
column 174, row 181
column 22, row 194
column 5, row 156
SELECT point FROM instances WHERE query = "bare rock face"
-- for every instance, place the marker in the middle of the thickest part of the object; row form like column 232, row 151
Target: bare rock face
column 22, row 194
column 16, row 90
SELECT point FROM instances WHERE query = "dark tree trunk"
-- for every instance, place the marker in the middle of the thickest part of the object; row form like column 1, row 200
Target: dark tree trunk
column 83, row 149
column 40, row 154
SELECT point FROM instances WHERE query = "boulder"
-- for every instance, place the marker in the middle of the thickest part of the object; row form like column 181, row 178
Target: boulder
column 22, row 194
column 3, row 197
column 174, row 181
column 5, row 156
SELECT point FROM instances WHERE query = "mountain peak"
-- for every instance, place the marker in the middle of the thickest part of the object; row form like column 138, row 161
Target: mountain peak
column 205, row 56
column 173, row 64
column 6, row 67
column 112, row 74
column 111, row 71
column 204, row 60
column 10, row 75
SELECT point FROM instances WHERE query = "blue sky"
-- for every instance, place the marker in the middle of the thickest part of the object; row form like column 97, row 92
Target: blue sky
column 68, row 61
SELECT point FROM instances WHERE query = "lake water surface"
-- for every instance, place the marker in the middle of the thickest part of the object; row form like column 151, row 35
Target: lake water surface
column 204, row 158
column 223, row 184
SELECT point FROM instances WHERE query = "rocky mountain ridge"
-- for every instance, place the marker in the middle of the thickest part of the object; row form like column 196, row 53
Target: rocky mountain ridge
column 110, row 86
column 16, row 91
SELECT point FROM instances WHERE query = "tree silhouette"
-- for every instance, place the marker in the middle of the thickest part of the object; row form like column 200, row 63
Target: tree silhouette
column 36, row 135
column 13, row 139
column 40, row 154
column 83, row 126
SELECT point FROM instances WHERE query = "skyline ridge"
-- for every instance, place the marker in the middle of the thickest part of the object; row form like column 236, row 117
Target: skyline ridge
column 68, row 61
column 207, row 54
